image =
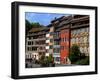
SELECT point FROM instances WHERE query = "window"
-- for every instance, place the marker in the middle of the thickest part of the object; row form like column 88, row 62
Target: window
column 51, row 40
column 34, row 48
column 47, row 44
column 32, row 42
column 28, row 43
column 29, row 38
column 78, row 31
column 56, row 42
column 51, row 47
column 47, row 51
column 87, row 29
column 52, row 33
column 63, row 39
column 57, row 58
column 74, row 32
column 56, row 50
column 83, row 30
column 61, row 47
column 27, row 48
column 66, row 39
column 85, row 39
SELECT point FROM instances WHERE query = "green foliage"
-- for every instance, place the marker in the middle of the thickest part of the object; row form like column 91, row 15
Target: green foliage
column 84, row 61
column 50, row 59
column 42, row 59
column 30, row 25
column 46, row 61
column 74, row 53
column 77, row 57
column 35, row 25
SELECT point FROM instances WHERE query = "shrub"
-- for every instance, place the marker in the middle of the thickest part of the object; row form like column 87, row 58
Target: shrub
column 84, row 61
column 46, row 61
column 74, row 53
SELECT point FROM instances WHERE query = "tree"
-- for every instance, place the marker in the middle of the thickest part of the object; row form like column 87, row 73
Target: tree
column 46, row 61
column 84, row 61
column 35, row 24
column 50, row 59
column 42, row 59
column 74, row 53
column 28, row 26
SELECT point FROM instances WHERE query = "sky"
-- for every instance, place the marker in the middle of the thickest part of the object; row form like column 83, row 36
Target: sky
column 42, row 18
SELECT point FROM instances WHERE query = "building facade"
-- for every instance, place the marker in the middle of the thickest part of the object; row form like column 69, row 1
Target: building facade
column 49, row 41
column 35, row 43
column 64, row 43
column 69, row 30
column 58, row 37
column 80, row 32
column 61, row 39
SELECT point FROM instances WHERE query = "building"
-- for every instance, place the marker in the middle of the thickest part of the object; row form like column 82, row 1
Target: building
column 58, row 37
column 80, row 32
column 56, row 40
column 61, row 39
column 64, row 43
column 56, row 47
column 69, row 30
column 49, row 41
column 35, row 43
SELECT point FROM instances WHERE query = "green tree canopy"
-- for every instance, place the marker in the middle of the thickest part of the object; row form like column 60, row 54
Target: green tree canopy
column 31, row 25
column 35, row 24
column 28, row 26
column 74, row 53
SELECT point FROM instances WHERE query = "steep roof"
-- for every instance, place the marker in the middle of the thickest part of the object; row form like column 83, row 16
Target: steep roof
column 37, row 29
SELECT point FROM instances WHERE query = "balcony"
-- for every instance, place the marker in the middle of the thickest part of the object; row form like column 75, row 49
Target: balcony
column 35, row 34
column 64, row 22
column 47, row 35
column 80, row 19
column 47, row 41
column 47, row 47
column 36, row 45
column 56, row 46
column 33, row 51
column 43, row 50
column 50, row 51
column 56, row 37
column 56, row 54
column 38, row 39
column 81, row 25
